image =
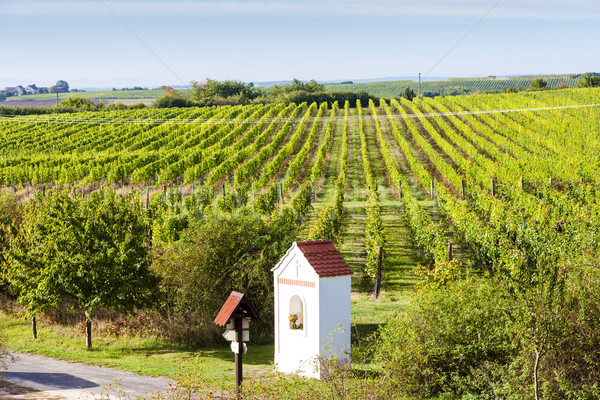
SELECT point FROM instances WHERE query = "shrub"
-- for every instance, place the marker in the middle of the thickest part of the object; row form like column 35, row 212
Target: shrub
column 218, row 254
column 458, row 340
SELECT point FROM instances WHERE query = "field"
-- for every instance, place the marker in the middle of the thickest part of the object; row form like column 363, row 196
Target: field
column 529, row 160
column 469, row 183
column 456, row 86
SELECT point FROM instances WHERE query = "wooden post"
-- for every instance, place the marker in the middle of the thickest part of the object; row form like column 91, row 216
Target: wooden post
column 280, row 190
column 462, row 188
column 378, row 273
column 521, row 182
column 253, row 194
column 224, row 193
column 147, row 198
column 34, row 327
column 88, row 332
column 400, row 189
column 449, row 251
column 493, row 188
column 165, row 192
column 550, row 181
column 238, row 356
column 83, row 192
column 432, row 195
column 121, row 183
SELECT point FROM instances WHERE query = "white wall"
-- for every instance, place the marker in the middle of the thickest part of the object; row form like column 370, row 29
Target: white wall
column 296, row 350
column 335, row 316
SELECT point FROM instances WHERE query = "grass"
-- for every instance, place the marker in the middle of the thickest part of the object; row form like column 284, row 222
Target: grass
column 145, row 356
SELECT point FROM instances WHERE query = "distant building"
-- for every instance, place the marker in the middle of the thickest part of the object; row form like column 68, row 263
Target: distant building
column 31, row 89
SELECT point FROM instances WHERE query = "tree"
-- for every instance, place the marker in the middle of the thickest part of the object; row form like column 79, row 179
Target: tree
column 216, row 255
column 408, row 93
column 538, row 83
column 91, row 252
column 212, row 89
column 589, row 80
column 62, row 84
column 79, row 103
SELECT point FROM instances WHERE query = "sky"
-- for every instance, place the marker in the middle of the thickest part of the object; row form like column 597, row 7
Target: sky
column 122, row 43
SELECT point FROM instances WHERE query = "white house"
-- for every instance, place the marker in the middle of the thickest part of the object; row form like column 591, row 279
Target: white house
column 312, row 307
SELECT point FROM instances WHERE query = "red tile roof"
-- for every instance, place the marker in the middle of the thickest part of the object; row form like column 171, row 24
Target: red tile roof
column 324, row 258
column 236, row 303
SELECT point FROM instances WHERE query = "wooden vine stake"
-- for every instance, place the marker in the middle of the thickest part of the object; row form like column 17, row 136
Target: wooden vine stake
column 432, row 195
column 378, row 273
column 400, row 189
column 449, row 251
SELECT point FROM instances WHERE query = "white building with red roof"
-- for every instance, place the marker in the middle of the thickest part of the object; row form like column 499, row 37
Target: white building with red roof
column 312, row 307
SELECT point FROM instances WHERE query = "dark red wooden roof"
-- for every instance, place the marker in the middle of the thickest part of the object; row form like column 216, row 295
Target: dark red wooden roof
column 236, row 305
column 324, row 258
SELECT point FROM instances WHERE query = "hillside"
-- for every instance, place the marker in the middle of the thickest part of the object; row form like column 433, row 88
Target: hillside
column 492, row 190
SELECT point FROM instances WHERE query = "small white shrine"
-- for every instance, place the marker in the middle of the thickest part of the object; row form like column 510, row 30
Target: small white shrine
column 312, row 307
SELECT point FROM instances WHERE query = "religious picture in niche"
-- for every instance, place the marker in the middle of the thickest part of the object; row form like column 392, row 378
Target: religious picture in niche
column 296, row 313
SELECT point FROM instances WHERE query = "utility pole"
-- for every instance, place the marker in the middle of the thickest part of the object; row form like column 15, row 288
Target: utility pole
column 419, row 96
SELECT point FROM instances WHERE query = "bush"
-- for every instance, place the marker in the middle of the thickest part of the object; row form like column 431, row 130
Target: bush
column 458, row 340
column 218, row 254
column 572, row 366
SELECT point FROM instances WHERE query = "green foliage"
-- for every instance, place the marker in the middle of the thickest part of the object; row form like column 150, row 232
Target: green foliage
column 210, row 91
column 79, row 103
column 170, row 99
column 300, row 96
column 459, row 340
column 588, row 80
column 538, row 83
column 63, row 85
column 408, row 93
column 90, row 252
column 295, row 86
column 218, row 254
column 572, row 366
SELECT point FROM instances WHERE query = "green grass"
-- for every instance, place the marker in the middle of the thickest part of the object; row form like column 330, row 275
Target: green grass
column 145, row 356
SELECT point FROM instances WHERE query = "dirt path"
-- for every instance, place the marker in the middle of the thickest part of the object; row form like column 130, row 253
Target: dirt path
column 37, row 377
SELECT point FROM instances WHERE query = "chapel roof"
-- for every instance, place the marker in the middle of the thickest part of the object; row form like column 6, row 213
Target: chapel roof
column 324, row 258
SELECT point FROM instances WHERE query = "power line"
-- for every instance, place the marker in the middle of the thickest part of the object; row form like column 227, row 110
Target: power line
column 141, row 41
column 463, row 37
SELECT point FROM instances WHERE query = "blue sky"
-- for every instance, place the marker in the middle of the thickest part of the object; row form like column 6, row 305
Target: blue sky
column 117, row 43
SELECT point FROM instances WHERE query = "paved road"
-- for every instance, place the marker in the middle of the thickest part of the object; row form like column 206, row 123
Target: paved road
column 37, row 377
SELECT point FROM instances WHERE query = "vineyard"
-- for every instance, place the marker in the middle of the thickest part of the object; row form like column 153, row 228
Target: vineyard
column 498, row 187
column 494, row 173
column 457, row 86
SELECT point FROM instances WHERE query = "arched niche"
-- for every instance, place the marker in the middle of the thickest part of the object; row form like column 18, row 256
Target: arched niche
column 297, row 314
